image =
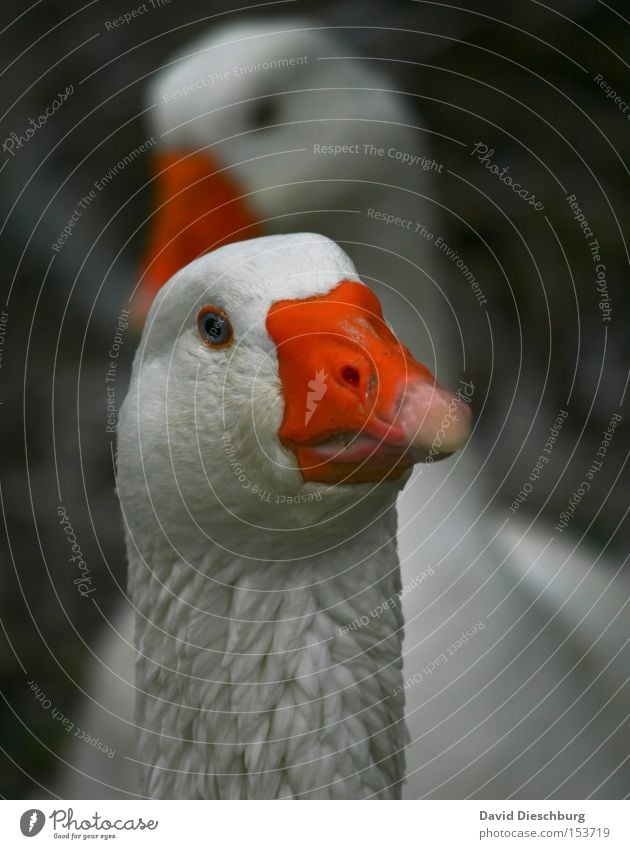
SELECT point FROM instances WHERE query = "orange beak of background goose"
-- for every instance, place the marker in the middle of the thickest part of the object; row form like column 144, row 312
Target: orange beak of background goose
column 198, row 207
column 357, row 406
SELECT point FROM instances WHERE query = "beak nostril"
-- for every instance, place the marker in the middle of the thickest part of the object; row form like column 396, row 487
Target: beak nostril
column 351, row 375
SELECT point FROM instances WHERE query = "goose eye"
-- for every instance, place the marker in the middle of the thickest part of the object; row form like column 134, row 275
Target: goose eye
column 214, row 327
column 263, row 113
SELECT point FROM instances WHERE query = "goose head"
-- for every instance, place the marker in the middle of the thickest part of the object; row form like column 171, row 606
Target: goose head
column 269, row 393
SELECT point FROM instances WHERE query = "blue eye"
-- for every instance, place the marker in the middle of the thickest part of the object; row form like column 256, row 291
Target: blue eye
column 214, row 327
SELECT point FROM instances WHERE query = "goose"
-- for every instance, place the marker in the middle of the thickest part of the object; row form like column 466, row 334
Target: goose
column 271, row 420
column 506, row 714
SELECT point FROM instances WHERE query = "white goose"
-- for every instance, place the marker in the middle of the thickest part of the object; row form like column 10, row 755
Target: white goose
column 488, row 721
column 271, row 420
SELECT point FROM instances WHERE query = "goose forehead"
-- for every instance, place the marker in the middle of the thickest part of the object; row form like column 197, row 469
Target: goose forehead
column 226, row 46
column 229, row 55
column 246, row 278
column 229, row 66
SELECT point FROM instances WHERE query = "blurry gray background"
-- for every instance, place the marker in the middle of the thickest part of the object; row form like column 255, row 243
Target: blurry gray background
column 519, row 77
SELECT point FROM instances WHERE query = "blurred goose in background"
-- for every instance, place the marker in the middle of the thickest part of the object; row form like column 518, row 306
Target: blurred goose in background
column 262, row 130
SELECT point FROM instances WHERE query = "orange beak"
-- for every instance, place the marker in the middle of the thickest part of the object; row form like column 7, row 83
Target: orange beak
column 358, row 407
column 198, row 208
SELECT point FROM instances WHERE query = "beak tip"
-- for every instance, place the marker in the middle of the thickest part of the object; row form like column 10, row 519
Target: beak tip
column 440, row 421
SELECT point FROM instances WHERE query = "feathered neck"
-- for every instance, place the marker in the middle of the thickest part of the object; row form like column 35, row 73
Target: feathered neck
column 262, row 678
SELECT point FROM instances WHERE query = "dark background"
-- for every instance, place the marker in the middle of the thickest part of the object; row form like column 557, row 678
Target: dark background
column 517, row 76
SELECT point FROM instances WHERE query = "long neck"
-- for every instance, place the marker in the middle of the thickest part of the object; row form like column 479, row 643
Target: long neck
column 261, row 679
